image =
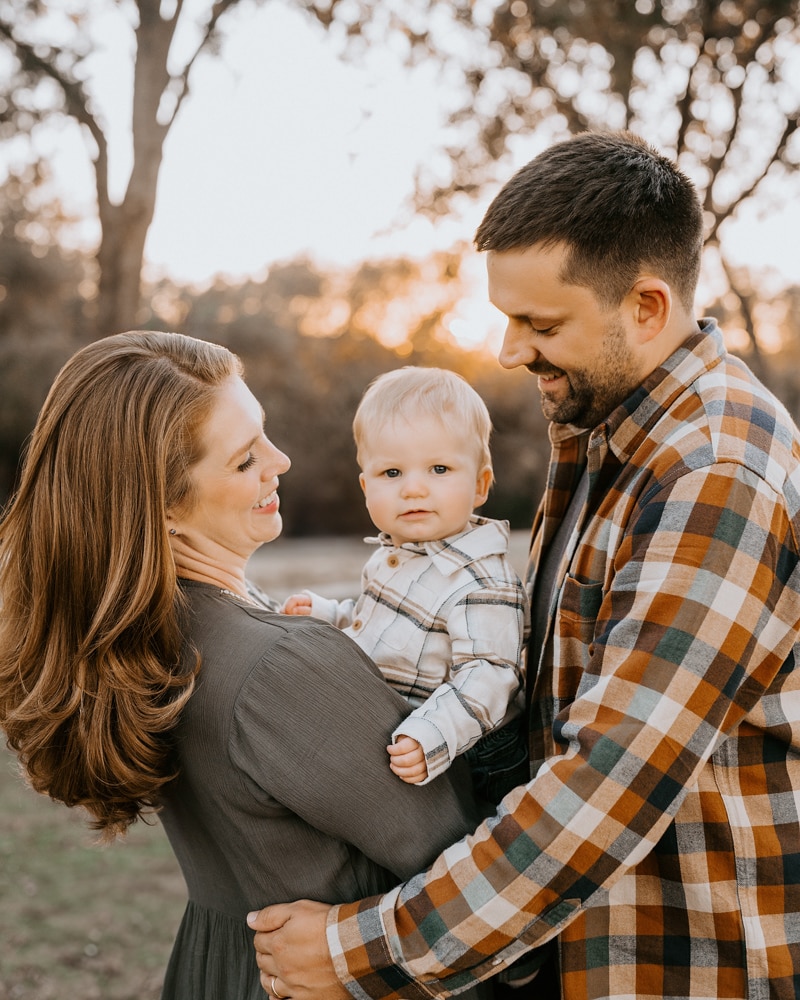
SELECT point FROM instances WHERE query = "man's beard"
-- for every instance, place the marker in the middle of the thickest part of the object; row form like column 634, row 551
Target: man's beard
column 593, row 395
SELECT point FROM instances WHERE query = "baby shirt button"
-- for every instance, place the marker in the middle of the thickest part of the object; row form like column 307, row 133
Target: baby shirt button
column 357, row 624
column 392, row 561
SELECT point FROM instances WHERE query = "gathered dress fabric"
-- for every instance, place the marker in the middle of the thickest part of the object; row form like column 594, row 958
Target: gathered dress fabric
column 284, row 788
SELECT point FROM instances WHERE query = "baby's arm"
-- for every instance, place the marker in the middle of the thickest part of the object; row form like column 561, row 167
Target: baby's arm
column 338, row 613
column 486, row 628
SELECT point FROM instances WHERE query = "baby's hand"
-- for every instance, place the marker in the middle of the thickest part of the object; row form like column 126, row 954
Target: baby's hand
column 407, row 760
column 297, row 604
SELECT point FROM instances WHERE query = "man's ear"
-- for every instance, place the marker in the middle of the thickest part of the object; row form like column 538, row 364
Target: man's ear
column 650, row 306
column 482, row 487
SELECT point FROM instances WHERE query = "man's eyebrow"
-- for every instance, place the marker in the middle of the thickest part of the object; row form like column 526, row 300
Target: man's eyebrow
column 539, row 317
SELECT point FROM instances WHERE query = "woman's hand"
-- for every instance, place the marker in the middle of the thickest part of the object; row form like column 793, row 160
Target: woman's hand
column 292, row 951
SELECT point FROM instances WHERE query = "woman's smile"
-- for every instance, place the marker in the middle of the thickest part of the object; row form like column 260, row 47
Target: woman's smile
column 267, row 501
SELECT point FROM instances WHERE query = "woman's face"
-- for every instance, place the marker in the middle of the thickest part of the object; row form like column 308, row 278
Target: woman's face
column 235, row 505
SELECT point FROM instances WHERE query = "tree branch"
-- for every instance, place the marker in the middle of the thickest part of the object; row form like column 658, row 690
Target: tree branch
column 209, row 35
column 745, row 193
column 76, row 100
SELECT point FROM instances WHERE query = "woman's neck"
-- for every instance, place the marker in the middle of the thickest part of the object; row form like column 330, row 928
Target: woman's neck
column 193, row 565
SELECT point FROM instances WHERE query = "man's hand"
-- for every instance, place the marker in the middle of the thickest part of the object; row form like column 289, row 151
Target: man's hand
column 292, row 952
column 408, row 760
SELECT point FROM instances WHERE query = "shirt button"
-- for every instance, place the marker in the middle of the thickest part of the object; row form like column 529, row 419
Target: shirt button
column 357, row 624
column 392, row 561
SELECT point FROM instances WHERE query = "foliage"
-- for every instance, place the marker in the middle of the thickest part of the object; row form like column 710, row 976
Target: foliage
column 49, row 50
column 714, row 83
column 43, row 315
column 711, row 81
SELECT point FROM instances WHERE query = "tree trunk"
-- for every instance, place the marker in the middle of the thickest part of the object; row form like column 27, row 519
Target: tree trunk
column 119, row 259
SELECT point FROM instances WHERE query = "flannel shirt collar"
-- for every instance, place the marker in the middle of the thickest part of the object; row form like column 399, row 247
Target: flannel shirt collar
column 625, row 429
column 482, row 537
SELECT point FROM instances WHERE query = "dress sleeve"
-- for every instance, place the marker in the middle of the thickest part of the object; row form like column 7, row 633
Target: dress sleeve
column 699, row 621
column 485, row 626
column 311, row 728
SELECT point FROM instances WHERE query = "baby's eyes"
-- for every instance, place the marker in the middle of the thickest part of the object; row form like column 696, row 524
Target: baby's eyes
column 438, row 470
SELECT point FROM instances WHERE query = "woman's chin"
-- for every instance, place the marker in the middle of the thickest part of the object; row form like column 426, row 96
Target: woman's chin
column 271, row 531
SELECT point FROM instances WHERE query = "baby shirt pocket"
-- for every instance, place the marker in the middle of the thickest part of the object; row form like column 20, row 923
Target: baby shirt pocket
column 408, row 616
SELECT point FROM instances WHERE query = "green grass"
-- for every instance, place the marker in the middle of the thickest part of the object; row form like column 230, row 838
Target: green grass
column 80, row 920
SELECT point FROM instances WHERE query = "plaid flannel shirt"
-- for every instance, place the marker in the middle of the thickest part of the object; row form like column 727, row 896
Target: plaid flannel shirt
column 444, row 621
column 659, row 837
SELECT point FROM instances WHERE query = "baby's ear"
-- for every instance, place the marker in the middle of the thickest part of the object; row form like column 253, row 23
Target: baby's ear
column 482, row 486
column 362, row 483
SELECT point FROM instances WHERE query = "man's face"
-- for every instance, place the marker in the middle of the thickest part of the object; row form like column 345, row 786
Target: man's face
column 583, row 353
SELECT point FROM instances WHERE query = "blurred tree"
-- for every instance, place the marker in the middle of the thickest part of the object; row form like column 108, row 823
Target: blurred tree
column 42, row 313
column 45, row 78
column 716, row 83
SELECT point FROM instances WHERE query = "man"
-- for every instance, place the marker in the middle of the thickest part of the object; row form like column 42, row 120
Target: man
column 659, row 837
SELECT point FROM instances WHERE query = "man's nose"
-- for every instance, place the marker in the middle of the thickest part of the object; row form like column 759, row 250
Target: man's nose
column 517, row 348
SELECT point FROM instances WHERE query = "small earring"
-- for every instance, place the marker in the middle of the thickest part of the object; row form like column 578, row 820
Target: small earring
column 173, row 531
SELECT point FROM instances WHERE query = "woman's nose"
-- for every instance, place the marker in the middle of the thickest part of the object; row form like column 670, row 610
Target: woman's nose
column 279, row 463
column 517, row 348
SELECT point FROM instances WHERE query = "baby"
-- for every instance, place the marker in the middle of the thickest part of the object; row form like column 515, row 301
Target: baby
column 441, row 611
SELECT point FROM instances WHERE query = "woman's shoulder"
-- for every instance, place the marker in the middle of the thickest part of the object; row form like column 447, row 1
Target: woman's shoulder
column 228, row 630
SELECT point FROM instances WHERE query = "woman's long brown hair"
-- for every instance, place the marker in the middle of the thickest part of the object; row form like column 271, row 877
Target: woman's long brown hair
column 91, row 675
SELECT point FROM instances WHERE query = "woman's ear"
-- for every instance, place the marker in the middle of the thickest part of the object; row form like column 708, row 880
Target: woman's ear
column 650, row 307
column 482, row 487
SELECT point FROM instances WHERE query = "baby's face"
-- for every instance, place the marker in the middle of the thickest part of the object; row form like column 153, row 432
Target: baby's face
column 421, row 479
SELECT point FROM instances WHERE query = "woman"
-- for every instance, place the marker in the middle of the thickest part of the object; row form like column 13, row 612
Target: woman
column 139, row 670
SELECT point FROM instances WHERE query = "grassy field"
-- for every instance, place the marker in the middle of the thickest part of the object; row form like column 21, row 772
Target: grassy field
column 79, row 920
column 85, row 922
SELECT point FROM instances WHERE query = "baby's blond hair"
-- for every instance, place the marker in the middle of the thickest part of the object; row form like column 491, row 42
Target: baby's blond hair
column 411, row 392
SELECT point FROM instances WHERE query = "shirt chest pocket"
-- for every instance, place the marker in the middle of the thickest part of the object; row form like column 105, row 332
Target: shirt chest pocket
column 575, row 628
column 406, row 619
column 578, row 608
